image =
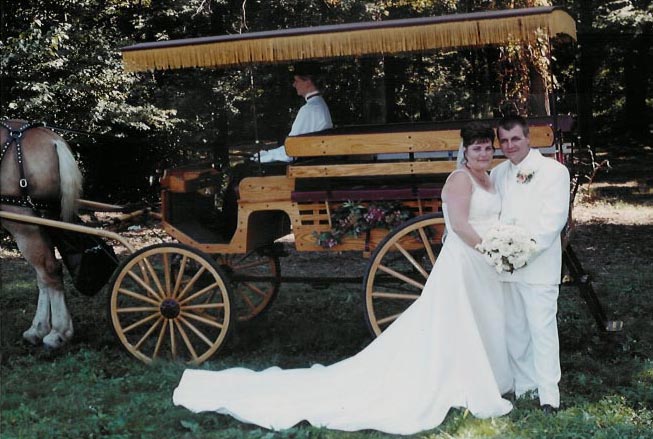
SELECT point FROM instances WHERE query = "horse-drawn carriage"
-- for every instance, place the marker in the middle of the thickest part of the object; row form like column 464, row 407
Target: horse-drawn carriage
column 381, row 183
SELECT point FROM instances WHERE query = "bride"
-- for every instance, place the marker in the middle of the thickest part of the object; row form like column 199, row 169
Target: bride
column 446, row 350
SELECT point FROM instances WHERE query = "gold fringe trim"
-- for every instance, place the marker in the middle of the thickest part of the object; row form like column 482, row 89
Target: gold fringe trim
column 352, row 43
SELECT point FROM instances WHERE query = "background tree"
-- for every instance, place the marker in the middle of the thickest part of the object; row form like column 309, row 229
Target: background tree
column 614, row 82
column 61, row 63
column 627, row 28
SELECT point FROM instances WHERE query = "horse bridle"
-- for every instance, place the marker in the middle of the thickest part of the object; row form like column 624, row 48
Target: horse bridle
column 24, row 200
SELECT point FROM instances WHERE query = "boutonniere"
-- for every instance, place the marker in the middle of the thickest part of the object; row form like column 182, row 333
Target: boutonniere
column 525, row 176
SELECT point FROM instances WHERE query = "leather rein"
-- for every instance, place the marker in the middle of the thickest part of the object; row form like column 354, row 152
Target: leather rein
column 24, row 200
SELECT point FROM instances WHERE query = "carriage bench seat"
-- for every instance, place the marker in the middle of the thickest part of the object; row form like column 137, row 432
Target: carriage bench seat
column 436, row 142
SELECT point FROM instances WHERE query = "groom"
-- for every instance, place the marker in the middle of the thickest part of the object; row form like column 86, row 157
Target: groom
column 535, row 195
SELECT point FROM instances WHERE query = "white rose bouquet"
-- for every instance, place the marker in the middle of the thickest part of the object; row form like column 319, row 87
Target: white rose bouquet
column 507, row 247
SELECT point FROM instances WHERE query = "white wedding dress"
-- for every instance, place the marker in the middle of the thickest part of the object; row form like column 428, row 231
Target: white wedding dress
column 446, row 350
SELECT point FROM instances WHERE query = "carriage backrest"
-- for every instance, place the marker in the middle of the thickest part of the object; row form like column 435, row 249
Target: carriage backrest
column 396, row 149
column 389, row 139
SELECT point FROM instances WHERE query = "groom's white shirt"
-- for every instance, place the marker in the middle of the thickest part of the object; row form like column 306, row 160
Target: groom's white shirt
column 541, row 206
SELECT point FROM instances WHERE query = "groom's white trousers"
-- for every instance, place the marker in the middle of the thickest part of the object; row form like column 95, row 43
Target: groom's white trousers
column 532, row 337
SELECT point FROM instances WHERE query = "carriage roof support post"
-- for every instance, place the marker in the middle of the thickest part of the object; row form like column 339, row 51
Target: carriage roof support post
column 557, row 136
column 553, row 103
column 253, row 94
column 67, row 226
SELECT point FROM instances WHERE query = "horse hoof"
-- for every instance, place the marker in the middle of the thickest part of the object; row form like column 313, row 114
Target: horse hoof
column 53, row 341
column 32, row 338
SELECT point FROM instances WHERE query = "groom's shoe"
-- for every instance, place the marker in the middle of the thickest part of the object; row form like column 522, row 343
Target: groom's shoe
column 548, row 409
column 510, row 396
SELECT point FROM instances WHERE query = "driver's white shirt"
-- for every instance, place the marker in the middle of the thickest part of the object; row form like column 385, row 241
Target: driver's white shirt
column 312, row 116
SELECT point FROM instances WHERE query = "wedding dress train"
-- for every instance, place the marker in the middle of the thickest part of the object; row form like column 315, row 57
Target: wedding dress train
column 446, row 350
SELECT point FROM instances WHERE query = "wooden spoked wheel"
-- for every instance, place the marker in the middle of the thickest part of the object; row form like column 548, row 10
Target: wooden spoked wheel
column 170, row 301
column 255, row 278
column 398, row 269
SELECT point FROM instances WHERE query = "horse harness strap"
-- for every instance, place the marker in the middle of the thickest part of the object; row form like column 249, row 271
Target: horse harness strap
column 28, row 201
column 24, row 200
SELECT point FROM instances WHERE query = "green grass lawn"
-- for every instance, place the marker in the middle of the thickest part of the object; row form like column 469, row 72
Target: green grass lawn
column 94, row 388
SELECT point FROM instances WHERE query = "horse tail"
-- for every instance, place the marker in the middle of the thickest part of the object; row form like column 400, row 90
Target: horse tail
column 70, row 179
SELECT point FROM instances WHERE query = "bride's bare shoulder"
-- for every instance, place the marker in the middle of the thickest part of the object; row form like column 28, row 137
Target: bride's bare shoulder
column 459, row 182
column 459, row 176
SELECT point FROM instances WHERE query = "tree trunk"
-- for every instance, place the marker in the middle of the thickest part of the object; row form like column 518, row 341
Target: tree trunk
column 587, row 65
column 393, row 69
column 538, row 100
column 219, row 25
column 372, row 96
column 636, row 85
column 424, row 113
column 9, row 9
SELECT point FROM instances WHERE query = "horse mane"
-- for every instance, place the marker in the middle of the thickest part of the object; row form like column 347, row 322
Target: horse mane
column 70, row 178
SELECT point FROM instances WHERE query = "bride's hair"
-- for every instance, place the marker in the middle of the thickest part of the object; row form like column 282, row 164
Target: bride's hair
column 473, row 132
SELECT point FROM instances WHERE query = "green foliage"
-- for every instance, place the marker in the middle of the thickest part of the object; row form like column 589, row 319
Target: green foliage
column 63, row 67
column 615, row 81
column 625, row 16
column 60, row 62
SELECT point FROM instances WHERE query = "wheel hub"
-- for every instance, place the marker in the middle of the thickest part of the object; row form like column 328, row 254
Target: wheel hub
column 170, row 308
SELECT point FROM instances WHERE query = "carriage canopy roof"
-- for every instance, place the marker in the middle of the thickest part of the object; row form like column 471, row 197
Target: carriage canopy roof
column 356, row 39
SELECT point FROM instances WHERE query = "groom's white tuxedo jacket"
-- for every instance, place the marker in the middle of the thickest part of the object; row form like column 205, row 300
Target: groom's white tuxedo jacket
column 539, row 205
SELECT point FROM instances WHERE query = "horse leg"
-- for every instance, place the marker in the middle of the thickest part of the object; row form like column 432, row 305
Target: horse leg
column 41, row 322
column 52, row 323
column 62, row 323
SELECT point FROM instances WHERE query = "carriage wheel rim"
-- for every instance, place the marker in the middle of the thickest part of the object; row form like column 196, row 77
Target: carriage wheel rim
column 256, row 296
column 377, row 323
column 170, row 316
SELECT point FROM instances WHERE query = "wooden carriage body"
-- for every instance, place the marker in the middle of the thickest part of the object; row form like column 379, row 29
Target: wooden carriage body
column 401, row 162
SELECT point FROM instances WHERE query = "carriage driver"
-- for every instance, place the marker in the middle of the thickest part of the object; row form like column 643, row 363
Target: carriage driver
column 312, row 116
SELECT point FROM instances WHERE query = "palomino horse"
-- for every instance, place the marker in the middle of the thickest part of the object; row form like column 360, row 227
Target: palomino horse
column 48, row 185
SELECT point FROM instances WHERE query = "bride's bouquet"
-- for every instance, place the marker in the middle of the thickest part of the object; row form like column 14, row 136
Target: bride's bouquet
column 507, row 247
